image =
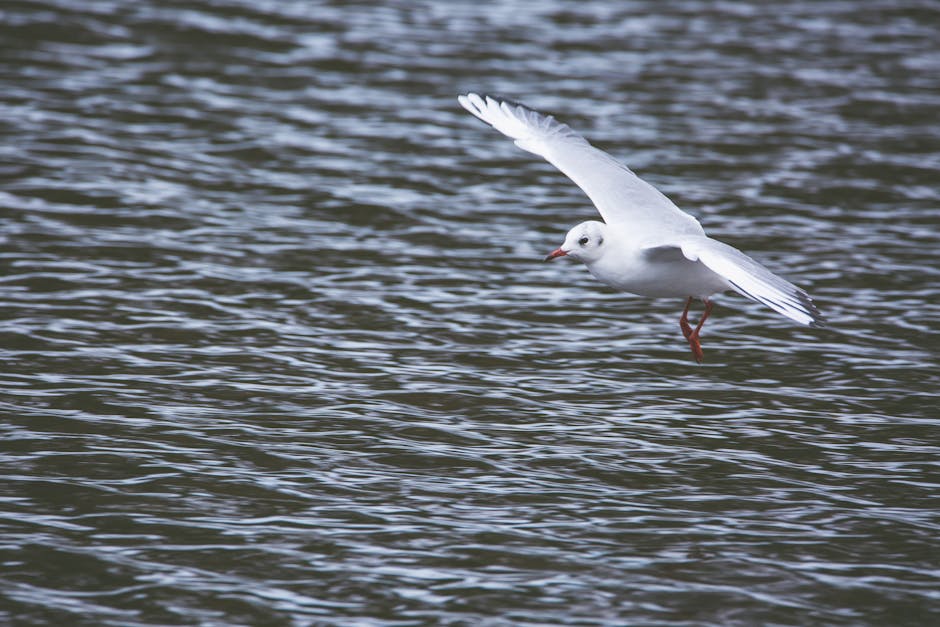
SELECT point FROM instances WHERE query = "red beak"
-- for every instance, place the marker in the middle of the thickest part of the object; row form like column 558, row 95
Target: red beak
column 558, row 252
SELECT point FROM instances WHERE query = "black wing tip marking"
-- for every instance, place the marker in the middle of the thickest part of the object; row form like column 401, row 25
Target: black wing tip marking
column 819, row 321
column 511, row 103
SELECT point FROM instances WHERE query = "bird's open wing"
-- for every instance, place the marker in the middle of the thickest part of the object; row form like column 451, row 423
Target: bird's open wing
column 751, row 279
column 623, row 198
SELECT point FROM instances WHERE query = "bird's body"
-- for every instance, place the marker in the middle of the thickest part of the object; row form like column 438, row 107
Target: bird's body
column 638, row 272
column 646, row 245
column 644, row 266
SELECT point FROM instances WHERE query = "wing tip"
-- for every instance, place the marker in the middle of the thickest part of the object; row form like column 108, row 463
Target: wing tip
column 817, row 320
column 800, row 308
column 485, row 107
column 530, row 127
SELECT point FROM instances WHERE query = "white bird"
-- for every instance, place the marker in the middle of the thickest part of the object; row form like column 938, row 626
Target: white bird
column 646, row 244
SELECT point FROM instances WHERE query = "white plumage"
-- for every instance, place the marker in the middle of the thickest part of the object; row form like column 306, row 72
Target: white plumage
column 646, row 245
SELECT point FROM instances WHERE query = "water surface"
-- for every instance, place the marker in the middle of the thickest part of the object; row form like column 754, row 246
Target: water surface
column 278, row 347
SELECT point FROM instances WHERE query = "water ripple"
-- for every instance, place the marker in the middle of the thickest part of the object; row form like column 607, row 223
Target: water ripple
column 277, row 344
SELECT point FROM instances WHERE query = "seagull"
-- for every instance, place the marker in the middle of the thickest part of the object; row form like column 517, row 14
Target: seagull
column 646, row 245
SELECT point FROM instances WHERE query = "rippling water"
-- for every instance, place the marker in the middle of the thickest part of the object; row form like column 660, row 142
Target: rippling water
column 278, row 346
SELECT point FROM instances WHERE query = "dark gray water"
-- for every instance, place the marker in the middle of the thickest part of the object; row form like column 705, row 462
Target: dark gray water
column 277, row 346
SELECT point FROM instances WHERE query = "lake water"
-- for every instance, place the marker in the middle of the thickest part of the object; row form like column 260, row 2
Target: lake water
column 278, row 346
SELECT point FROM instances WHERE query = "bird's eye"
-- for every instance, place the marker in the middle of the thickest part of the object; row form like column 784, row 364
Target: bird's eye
column 583, row 241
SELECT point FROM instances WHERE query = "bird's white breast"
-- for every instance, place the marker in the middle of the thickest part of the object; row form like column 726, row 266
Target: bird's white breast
column 630, row 270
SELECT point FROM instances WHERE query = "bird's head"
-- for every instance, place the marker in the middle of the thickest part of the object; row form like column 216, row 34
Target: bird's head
column 584, row 242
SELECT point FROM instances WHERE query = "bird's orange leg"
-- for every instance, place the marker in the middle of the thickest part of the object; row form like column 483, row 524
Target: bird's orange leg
column 684, row 320
column 694, row 343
